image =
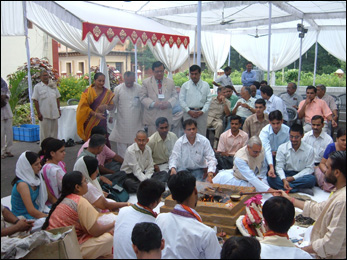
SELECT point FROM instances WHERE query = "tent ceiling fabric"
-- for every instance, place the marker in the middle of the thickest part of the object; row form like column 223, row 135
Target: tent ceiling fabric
column 325, row 21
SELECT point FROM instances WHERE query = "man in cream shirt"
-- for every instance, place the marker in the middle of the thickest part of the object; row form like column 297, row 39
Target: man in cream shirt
column 162, row 143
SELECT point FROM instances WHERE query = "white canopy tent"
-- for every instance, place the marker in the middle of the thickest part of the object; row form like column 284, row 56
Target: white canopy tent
column 65, row 21
column 325, row 21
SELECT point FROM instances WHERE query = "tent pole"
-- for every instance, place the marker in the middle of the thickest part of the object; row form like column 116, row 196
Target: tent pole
column 198, row 60
column 30, row 86
column 90, row 79
column 194, row 54
column 229, row 56
column 136, row 62
column 315, row 60
column 269, row 44
column 302, row 21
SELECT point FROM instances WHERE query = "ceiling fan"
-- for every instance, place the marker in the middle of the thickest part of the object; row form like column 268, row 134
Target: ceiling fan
column 225, row 22
column 256, row 34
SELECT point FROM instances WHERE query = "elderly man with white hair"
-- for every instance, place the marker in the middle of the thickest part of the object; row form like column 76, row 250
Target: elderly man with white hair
column 248, row 168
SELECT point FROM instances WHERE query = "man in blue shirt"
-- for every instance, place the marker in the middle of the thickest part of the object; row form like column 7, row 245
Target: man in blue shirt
column 249, row 75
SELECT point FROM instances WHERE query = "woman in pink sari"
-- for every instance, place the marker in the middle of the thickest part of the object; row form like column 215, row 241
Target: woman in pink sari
column 71, row 209
column 91, row 110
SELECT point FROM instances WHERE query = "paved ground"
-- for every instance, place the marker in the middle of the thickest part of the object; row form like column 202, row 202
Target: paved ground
column 8, row 165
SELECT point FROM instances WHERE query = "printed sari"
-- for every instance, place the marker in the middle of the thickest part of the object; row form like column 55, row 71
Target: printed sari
column 90, row 101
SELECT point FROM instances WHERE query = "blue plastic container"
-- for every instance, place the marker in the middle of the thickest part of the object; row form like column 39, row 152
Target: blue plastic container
column 26, row 133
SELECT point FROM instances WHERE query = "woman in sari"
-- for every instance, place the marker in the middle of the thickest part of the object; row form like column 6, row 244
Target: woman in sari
column 52, row 171
column 88, row 166
column 71, row 209
column 91, row 110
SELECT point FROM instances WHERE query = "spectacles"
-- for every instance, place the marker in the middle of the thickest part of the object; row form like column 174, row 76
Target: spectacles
column 158, row 71
column 294, row 137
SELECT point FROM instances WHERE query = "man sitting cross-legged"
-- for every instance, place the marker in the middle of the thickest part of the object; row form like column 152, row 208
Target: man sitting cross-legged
column 249, row 169
column 230, row 142
column 161, row 144
column 138, row 164
column 148, row 197
column 193, row 152
column 185, row 235
column 294, row 164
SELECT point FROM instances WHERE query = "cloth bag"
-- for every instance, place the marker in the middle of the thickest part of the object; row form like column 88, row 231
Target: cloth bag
column 224, row 162
column 115, row 192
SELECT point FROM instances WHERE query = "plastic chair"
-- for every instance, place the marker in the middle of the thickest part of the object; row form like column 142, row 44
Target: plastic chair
column 292, row 116
column 73, row 101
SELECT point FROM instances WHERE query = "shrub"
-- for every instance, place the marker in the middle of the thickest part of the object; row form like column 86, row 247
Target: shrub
column 22, row 115
column 71, row 87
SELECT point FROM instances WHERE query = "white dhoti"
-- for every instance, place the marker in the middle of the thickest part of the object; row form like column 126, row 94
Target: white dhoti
column 48, row 128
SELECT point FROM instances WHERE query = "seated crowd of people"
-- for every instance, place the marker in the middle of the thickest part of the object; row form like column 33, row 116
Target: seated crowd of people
column 254, row 146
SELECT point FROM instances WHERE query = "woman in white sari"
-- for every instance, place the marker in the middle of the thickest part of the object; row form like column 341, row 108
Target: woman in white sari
column 89, row 168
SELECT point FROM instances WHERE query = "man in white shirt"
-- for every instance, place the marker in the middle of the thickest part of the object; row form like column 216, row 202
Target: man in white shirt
column 225, row 79
column 148, row 198
column 138, row 164
column 128, row 117
column 273, row 102
column 195, row 98
column 291, row 99
column 279, row 216
column 186, row 237
column 245, row 106
column 317, row 138
column 46, row 99
column 191, row 152
column 161, row 144
column 294, row 164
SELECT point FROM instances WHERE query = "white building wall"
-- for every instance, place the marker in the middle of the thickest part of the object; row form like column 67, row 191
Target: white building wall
column 13, row 51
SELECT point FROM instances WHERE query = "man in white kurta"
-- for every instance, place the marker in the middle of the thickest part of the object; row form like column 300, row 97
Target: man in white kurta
column 249, row 169
column 128, row 117
column 195, row 99
column 6, row 122
column 148, row 197
column 46, row 99
column 328, row 236
column 186, row 237
column 158, row 96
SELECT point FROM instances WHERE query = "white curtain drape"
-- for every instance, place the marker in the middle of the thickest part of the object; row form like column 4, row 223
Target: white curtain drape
column 69, row 33
column 334, row 42
column 215, row 48
column 285, row 49
column 173, row 58
column 9, row 25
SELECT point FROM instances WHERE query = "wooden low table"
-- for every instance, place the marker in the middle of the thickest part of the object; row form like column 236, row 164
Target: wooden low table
column 223, row 215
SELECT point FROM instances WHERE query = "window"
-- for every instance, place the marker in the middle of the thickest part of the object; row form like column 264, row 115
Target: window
column 81, row 67
column 68, row 68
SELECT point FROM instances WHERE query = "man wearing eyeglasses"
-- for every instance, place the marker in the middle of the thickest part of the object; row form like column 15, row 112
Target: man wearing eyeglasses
column 162, row 143
column 294, row 164
column 249, row 169
column 158, row 96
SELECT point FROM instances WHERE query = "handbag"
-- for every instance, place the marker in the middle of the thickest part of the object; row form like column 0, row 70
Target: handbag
column 224, row 162
column 115, row 192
